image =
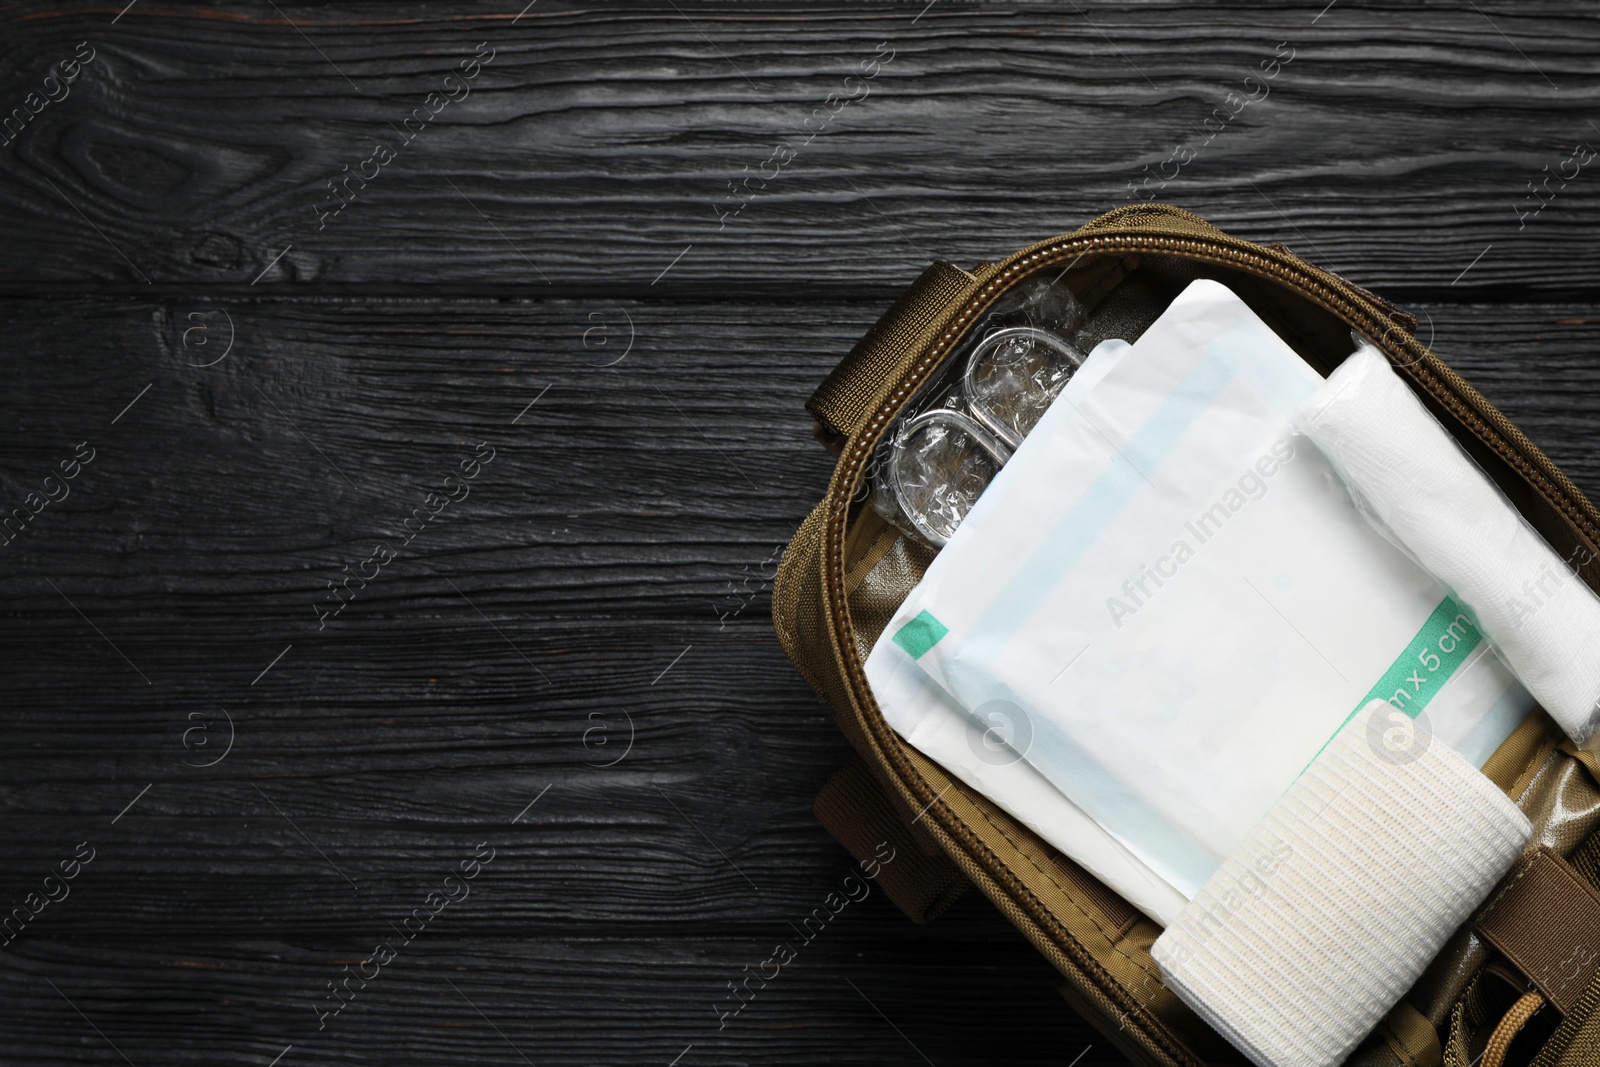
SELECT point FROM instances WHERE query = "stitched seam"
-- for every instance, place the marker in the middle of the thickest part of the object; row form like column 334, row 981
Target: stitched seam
column 1576, row 881
column 1397, row 1045
column 1064, row 891
column 1536, row 766
column 875, row 552
column 1498, row 897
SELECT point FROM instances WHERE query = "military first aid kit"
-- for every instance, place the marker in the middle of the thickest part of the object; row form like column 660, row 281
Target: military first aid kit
column 1248, row 675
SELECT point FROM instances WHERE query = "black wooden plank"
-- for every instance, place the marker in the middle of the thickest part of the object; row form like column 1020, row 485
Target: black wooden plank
column 863, row 990
column 1537, row 363
column 594, row 151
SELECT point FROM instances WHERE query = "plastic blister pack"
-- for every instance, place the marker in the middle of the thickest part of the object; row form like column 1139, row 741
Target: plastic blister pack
column 945, row 449
column 937, row 465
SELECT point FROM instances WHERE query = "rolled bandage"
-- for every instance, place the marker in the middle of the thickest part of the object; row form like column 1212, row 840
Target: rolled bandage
column 1411, row 475
column 1310, row 932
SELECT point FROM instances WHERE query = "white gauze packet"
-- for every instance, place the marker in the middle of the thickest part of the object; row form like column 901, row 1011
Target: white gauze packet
column 1420, row 487
column 1175, row 598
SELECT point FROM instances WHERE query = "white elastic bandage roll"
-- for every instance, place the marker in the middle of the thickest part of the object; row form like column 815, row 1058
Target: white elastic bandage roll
column 1413, row 476
column 1308, row 935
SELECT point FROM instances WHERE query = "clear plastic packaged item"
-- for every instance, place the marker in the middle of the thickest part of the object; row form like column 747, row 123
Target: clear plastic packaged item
column 937, row 466
column 1420, row 489
column 943, row 451
column 1013, row 375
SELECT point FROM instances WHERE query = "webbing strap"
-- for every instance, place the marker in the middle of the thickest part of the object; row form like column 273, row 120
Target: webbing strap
column 1576, row 1043
column 1411, row 1037
column 847, row 396
column 1546, row 922
column 920, row 881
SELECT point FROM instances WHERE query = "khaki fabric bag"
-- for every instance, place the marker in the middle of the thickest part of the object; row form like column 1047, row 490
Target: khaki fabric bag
column 1519, row 984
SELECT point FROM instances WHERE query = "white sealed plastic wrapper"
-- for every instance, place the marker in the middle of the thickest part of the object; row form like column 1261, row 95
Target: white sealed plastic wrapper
column 1417, row 485
column 986, row 755
column 1173, row 596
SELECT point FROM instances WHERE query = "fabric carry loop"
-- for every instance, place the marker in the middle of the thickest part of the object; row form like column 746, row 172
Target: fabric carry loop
column 846, row 396
column 921, row 880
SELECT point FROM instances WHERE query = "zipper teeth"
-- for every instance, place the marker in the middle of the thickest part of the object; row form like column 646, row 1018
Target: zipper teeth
column 1336, row 297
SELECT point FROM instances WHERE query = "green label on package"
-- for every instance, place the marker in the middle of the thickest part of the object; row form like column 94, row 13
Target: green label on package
column 1440, row 647
column 1443, row 644
column 920, row 634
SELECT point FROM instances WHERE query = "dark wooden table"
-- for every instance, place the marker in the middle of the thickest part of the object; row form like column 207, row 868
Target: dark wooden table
column 278, row 704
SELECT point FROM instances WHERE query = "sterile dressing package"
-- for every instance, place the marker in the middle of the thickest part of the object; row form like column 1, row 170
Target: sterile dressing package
column 978, row 754
column 1169, row 597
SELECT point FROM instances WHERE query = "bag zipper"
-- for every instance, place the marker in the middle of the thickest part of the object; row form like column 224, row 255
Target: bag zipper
column 1360, row 309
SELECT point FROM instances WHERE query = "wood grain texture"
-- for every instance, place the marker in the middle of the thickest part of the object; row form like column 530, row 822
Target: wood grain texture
column 573, row 662
column 1397, row 144
column 507, row 655
column 859, row 993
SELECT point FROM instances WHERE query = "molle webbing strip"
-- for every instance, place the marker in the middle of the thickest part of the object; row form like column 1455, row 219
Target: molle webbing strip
column 1547, row 924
